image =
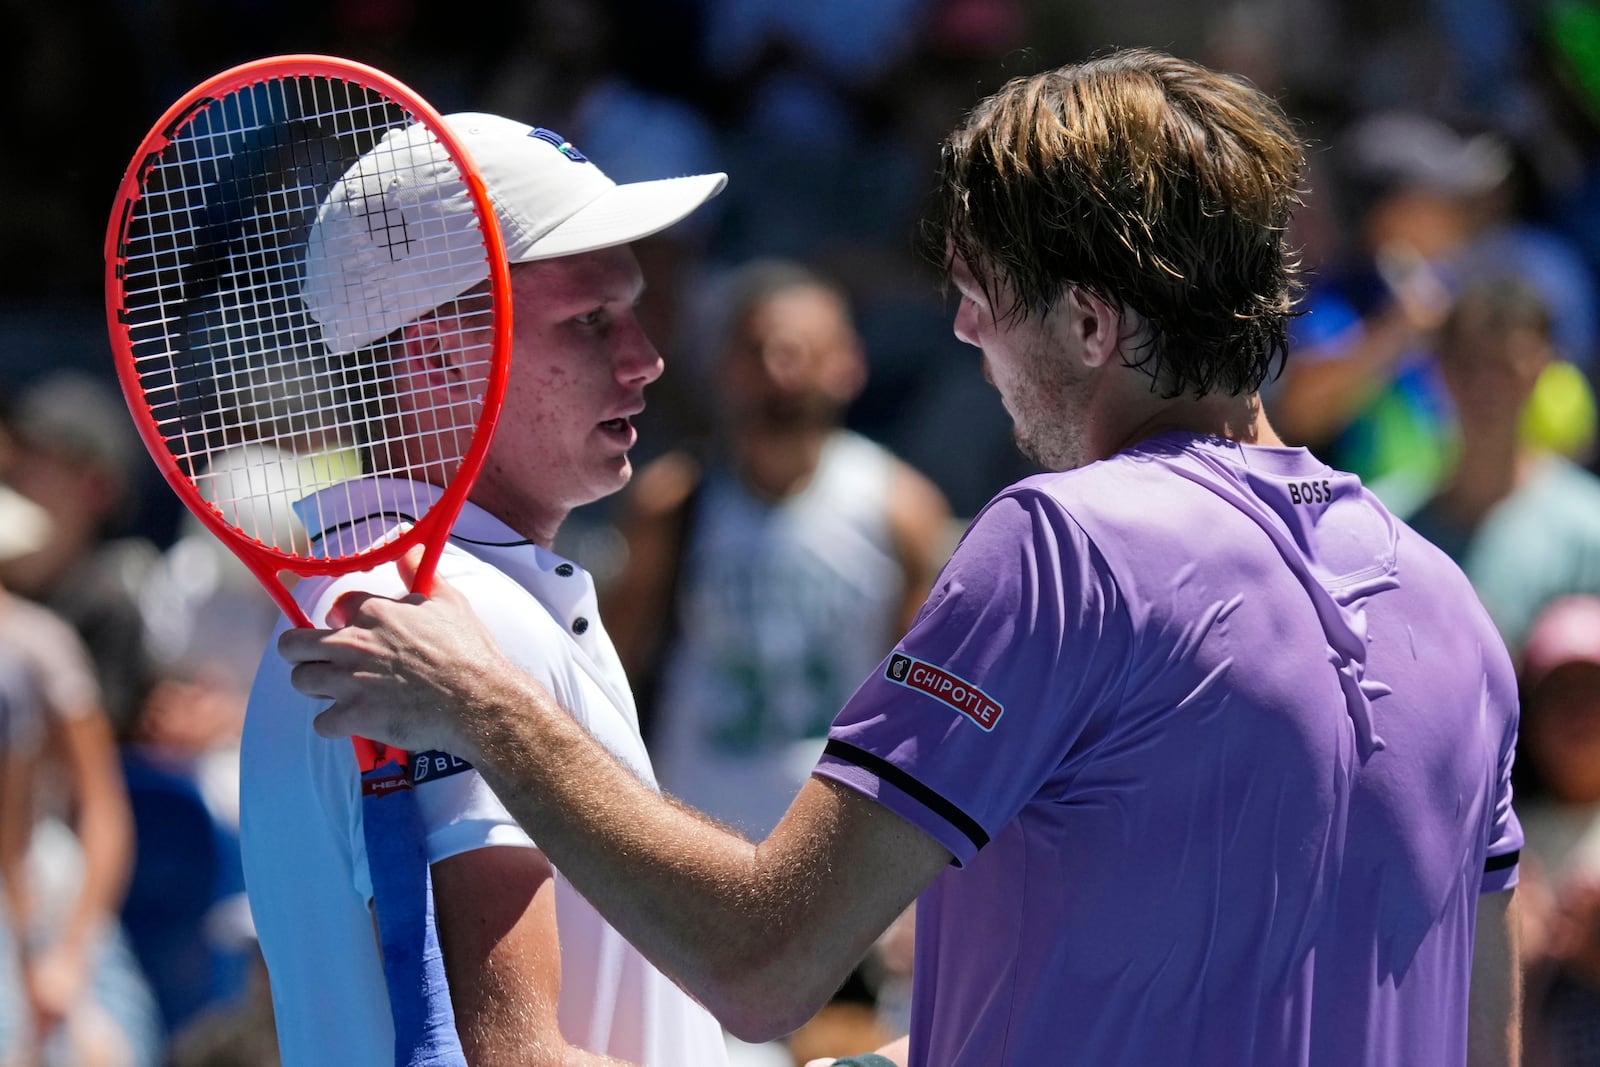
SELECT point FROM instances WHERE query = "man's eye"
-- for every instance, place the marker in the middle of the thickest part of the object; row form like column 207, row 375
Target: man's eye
column 591, row 318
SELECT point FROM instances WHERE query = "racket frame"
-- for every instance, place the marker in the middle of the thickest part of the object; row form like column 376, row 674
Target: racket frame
column 268, row 562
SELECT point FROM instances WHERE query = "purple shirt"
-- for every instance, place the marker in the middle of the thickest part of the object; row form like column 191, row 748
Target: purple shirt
column 1222, row 751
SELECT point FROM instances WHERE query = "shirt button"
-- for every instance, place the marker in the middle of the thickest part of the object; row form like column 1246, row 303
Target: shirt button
column 565, row 570
column 580, row 624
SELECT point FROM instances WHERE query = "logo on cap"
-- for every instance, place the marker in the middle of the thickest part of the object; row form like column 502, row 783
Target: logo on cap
column 561, row 144
column 386, row 224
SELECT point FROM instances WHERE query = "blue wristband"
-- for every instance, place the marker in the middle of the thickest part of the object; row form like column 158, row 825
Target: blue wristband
column 866, row 1059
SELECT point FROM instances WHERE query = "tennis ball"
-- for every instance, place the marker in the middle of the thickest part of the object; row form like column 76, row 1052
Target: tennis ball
column 1560, row 412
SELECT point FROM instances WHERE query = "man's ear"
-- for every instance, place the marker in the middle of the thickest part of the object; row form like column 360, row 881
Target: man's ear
column 431, row 362
column 1094, row 324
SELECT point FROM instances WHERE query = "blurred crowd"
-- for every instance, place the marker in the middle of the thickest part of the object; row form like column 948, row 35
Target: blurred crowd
column 798, row 488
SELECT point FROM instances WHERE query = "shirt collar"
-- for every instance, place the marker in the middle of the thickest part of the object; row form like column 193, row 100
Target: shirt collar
column 357, row 515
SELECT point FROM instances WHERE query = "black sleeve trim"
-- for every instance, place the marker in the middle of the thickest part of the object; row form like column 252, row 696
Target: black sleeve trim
column 1500, row 863
column 911, row 787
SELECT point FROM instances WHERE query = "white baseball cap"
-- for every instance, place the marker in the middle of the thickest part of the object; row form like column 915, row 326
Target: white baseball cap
column 396, row 236
column 24, row 526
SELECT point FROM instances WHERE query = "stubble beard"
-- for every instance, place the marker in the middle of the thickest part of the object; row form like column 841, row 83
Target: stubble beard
column 1056, row 451
column 1047, row 426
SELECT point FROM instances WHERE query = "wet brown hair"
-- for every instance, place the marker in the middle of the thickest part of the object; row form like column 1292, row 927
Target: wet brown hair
column 1156, row 184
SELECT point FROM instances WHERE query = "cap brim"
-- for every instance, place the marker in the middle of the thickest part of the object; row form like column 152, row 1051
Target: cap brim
column 24, row 525
column 623, row 214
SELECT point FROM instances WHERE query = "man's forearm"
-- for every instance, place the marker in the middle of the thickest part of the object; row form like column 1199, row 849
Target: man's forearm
column 762, row 935
column 1495, row 1027
column 725, row 918
column 104, row 827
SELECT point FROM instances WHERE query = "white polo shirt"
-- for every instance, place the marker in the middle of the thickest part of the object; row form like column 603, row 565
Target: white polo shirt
column 304, row 855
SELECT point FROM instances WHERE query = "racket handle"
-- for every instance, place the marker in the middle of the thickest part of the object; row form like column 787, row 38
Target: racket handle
column 402, row 897
column 422, row 581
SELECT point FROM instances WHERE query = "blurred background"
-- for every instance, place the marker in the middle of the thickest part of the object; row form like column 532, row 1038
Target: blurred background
column 827, row 115
column 1448, row 354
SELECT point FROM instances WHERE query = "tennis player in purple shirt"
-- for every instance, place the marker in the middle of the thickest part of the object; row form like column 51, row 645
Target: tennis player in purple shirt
column 1194, row 755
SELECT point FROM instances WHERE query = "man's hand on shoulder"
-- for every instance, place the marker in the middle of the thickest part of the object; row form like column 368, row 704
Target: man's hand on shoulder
column 412, row 673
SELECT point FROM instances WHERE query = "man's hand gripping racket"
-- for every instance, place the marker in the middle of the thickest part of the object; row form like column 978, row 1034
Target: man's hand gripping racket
column 306, row 285
column 436, row 657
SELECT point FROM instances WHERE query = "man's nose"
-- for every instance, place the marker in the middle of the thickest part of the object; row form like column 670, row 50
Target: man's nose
column 639, row 362
column 965, row 314
column 784, row 361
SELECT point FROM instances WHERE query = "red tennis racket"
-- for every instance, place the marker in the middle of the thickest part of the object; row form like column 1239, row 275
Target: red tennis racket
column 306, row 285
column 206, row 264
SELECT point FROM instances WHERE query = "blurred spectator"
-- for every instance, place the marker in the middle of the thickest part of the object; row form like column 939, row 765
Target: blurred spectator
column 74, row 455
column 1523, row 523
column 237, row 1034
column 80, row 995
column 24, row 528
column 765, row 578
column 1558, row 801
column 830, row 120
column 802, row 89
column 644, row 132
column 1567, row 56
column 1431, row 209
column 186, row 913
column 19, row 726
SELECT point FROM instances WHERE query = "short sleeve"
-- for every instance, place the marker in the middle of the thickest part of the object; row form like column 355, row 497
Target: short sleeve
column 65, row 673
column 980, row 708
column 459, row 811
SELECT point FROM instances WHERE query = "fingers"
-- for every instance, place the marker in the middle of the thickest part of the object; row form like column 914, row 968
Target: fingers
column 356, row 718
column 322, row 663
column 384, row 666
column 334, row 723
column 298, row 647
column 409, row 564
column 301, row 645
column 440, row 591
column 347, row 609
column 350, row 608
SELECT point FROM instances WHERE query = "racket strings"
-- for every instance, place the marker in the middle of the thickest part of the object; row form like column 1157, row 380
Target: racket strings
column 254, row 406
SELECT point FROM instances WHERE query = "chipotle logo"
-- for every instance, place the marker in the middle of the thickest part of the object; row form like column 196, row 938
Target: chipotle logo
column 944, row 687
